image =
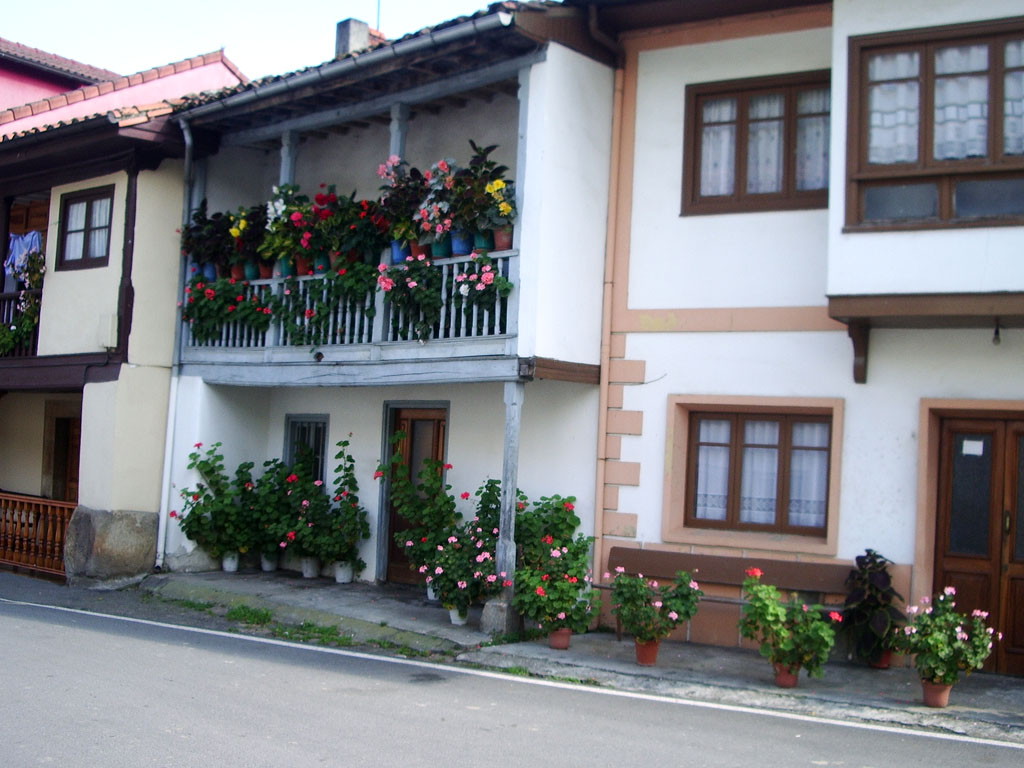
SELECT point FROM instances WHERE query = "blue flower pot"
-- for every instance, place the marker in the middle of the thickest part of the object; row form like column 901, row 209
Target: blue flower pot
column 462, row 242
column 399, row 250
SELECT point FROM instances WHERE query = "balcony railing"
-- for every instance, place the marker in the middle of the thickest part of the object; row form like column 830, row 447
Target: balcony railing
column 32, row 532
column 370, row 319
column 10, row 315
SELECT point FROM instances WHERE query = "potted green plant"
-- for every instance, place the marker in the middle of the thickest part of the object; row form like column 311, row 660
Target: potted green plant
column 791, row 634
column 288, row 240
column 869, row 614
column 553, row 587
column 402, row 194
column 207, row 241
column 427, row 505
column 213, row 515
column 346, row 524
column 460, row 570
column 413, row 289
column 650, row 611
column 20, row 330
column 210, row 305
column 248, row 228
column 944, row 642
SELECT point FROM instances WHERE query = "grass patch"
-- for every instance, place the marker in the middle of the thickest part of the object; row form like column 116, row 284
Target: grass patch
column 249, row 615
column 192, row 605
column 308, row 632
column 520, row 671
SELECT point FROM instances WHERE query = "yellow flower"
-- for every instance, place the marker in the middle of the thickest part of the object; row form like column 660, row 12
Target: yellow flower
column 234, row 232
column 504, row 209
column 242, row 224
column 494, row 186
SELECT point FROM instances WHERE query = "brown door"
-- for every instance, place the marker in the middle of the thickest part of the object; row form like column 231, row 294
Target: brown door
column 424, row 439
column 67, row 438
column 979, row 546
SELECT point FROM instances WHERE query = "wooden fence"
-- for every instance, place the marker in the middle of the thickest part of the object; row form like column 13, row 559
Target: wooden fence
column 32, row 532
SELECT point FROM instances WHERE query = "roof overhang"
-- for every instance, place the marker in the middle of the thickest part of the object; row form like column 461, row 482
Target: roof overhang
column 615, row 17
column 88, row 147
column 483, row 52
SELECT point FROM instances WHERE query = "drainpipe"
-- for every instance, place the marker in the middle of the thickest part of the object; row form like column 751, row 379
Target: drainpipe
column 172, row 398
column 607, row 302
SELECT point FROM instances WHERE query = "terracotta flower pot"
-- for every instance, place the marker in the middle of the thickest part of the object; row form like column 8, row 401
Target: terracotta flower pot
column 786, row 678
column 266, row 269
column 559, row 639
column 884, row 660
column 647, row 652
column 503, row 239
column 935, row 694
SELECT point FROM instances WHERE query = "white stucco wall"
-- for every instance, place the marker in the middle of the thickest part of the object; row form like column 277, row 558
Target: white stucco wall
column 878, row 493
column 557, row 448
column 565, row 204
column 21, row 449
column 155, row 264
column 769, row 259
column 79, row 306
column 935, row 261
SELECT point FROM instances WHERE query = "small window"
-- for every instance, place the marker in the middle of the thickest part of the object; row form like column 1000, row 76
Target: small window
column 306, row 442
column 936, row 127
column 85, row 228
column 759, row 472
column 755, row 145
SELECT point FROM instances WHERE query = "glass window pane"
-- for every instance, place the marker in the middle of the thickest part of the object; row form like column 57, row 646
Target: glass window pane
column 961, row 117
column 718, row 160
column 961, row 58
column 991, row 197
column 719, row 111
column 73, row 246
column 1013, row 113
column 76, row 216
column 759, row 484
column 814, row 102
column 100, row 216
column 810, row 434
column 712, row 482
column 901, row 201
column 761, row 432
column 98, row 243
column 714, row 431
column 766, row 106
column 812, row 141
column 808, row 486
column 894, row 117
column 893, row 66
column 764, row 157
column 972, row 476
column 1014, row 54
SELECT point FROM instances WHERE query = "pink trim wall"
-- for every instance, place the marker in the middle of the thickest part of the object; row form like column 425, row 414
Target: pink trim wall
column 19, row 87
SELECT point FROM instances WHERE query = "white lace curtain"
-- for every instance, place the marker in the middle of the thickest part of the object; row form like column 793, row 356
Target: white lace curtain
column 1013, row 99
column 808, row 472
column 766, row 143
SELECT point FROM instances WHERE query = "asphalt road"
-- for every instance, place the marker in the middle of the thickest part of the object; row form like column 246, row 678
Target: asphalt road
column 84, row 690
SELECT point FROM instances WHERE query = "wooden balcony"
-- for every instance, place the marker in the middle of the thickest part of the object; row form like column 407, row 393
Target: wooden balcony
column 10, row 314
column 32, row 532
column 470, row 342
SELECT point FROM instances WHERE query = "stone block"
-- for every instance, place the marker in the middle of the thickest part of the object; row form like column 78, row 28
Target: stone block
column 107, row 549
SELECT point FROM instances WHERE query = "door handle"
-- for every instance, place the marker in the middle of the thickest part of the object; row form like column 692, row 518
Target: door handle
column 1006, row 521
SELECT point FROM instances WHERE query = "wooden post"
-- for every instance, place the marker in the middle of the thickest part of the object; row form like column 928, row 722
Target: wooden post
column 289, row 152
column 399, row 128
column 499, row 616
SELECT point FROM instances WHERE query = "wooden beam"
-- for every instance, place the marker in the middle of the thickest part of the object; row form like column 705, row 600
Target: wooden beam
column 429, row 92
column 860, row 335
column 930, row 310
column 399, row 129
column 289, row 153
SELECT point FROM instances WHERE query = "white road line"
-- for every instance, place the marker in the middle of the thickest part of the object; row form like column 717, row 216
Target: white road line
column 537, row 681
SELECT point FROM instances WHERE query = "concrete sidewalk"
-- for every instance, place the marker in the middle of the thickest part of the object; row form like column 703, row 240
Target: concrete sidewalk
column 981, row 706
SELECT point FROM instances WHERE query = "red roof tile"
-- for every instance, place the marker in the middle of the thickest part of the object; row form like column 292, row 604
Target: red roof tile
column 52, row 62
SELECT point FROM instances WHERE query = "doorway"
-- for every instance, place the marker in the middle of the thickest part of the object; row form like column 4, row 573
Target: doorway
column 424, row 432
column 979, row 545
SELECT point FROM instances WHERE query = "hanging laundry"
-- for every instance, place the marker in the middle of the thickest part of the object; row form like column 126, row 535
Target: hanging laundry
column 19, row 247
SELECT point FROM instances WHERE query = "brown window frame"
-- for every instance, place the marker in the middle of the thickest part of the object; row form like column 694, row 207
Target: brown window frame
column 740, row 201
column 732, row 521
column 944, row 174
column 87, row 196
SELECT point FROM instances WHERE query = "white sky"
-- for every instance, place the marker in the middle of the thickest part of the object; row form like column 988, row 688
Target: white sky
column 262, row 37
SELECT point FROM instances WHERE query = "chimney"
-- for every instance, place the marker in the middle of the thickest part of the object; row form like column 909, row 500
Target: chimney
column 352, row 35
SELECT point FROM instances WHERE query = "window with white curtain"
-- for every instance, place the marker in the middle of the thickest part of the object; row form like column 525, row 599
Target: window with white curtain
column 85, row 222
column 937, row 126
column 758, row 144
column 306, row 443
column 759, row 471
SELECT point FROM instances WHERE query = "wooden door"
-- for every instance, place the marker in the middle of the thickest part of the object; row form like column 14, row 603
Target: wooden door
column 424, row 439
column 979, row 546
column 67, row 438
